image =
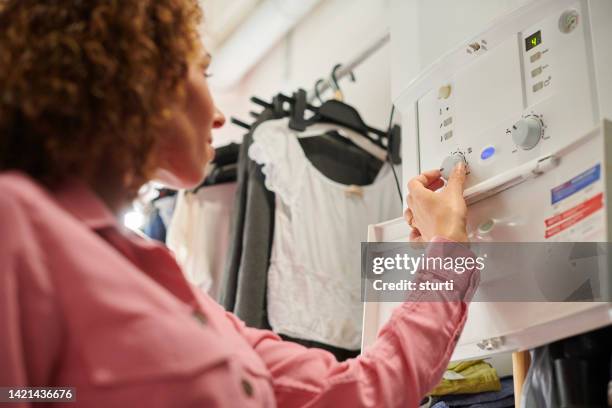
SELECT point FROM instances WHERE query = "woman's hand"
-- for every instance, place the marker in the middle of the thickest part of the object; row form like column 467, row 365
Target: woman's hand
column 442, row 214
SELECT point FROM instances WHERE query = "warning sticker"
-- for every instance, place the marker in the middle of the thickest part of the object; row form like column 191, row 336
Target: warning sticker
column 568, row 218
column 576, row 184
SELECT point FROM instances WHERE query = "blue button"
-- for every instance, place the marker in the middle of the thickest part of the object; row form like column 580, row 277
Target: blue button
column 487, row 152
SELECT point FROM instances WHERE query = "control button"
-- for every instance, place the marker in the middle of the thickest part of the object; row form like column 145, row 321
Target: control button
column 450, row 162
column 199, row 316
column 444, row 92
column 536, row 72
column 448, row 135
column 487, row 152
column 568, row 21
column 527, row 132
column 486, row 226
column 535, row 56
column 448, row 121
column 247, row 388
column 538, row 86
column 475, row 46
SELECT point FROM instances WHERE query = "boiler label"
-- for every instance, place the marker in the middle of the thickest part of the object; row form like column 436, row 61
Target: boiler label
column 576, row 184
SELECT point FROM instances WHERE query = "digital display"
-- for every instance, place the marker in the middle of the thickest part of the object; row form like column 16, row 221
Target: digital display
column 533, row 40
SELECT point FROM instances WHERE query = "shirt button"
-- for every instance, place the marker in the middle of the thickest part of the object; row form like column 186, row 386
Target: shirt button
column 247, row 388
column 199, row 316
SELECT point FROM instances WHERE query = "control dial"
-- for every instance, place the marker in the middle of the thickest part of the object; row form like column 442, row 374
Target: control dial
column 527, row 132
column 450, row 162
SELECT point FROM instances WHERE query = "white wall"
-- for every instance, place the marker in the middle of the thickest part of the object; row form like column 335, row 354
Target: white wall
column 333, row 33
column 337, row 30
column 424, row 30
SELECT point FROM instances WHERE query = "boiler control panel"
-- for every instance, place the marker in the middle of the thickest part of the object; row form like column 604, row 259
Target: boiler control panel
column 510, row 96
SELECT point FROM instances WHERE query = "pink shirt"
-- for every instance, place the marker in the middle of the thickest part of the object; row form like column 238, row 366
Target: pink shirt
column 86, row 304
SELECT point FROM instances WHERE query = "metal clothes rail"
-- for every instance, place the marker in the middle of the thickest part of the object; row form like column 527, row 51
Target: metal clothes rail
column 348, row 67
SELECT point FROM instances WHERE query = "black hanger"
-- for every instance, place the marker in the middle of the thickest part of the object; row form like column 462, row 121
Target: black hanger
column 261, row 102
column 340, row 113
column 394, row 144
column 298, row 108
column 331, row 111
column 338, row 94
column 240, row 123
column 317, row 92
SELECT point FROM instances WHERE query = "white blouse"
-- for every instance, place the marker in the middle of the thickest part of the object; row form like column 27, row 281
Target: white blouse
column 314, row 279
column 199, row 234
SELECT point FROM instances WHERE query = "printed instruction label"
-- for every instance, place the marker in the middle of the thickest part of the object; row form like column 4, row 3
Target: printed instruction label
column 571, row 217
column 576, row 184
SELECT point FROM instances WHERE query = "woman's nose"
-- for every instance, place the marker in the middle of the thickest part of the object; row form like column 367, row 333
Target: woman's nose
column 218, row 119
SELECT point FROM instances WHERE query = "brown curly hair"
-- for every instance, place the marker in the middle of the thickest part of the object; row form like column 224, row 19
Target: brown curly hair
column 83, row 83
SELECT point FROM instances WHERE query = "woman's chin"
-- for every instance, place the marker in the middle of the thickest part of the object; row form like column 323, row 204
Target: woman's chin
column 180, row 181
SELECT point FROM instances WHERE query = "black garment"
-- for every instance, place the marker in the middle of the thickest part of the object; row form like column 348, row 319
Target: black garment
column 227, row 154
column 243, row 290
column 227, row 173
column 570, row 373
column 244, row 285
column 225, row 166
column 340, row 160
column 340, row 353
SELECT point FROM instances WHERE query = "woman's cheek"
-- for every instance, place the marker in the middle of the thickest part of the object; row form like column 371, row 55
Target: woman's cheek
column 210, row 153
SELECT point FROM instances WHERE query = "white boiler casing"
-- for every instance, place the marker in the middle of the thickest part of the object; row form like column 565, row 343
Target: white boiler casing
column 524, row 103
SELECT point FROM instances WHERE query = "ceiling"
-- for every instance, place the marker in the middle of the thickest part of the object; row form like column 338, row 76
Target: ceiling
column 222, row 17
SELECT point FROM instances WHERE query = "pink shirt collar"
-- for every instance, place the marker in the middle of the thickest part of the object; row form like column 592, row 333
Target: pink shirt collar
column 82, row 203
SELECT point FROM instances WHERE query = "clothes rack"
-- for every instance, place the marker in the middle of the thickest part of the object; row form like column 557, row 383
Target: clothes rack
column 348, row 67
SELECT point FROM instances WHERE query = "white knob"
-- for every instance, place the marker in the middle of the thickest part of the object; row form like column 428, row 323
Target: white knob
column 527, row 132
column 444, row 92
column 450, row 162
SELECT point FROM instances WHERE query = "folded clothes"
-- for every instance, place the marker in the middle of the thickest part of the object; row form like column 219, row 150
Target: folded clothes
column 507, row 402
column 468, row 377
column 492, row 399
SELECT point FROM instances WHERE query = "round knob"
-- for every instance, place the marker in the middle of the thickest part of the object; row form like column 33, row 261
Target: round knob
column 444, row 92
column 527, row 132
column 568, row 21
column 450, row 162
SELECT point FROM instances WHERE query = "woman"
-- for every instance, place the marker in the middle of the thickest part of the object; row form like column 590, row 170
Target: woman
column 98, row 97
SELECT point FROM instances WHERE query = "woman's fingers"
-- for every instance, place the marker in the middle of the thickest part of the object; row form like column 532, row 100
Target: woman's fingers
column 457, row 179
column 424, row 179
column 415, row 235
column 408, row 216
column 436, row 185
column 431, row 214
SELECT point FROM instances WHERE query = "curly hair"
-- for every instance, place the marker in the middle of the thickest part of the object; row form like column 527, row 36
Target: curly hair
column 83, row 83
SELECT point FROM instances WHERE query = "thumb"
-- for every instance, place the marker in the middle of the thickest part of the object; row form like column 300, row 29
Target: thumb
column 457, row 178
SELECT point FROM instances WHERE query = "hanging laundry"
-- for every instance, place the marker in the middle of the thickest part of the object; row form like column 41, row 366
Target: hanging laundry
column 243, row 288
column 199, row 234
column 570, row 372
column 154, row 227
column 344, row 161
column 160, row 215
column 314, row 286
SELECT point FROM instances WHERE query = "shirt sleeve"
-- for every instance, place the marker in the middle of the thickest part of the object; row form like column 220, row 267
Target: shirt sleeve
column 407, row 360
column 13, row 372
column 11, row 352
column 28, row 311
